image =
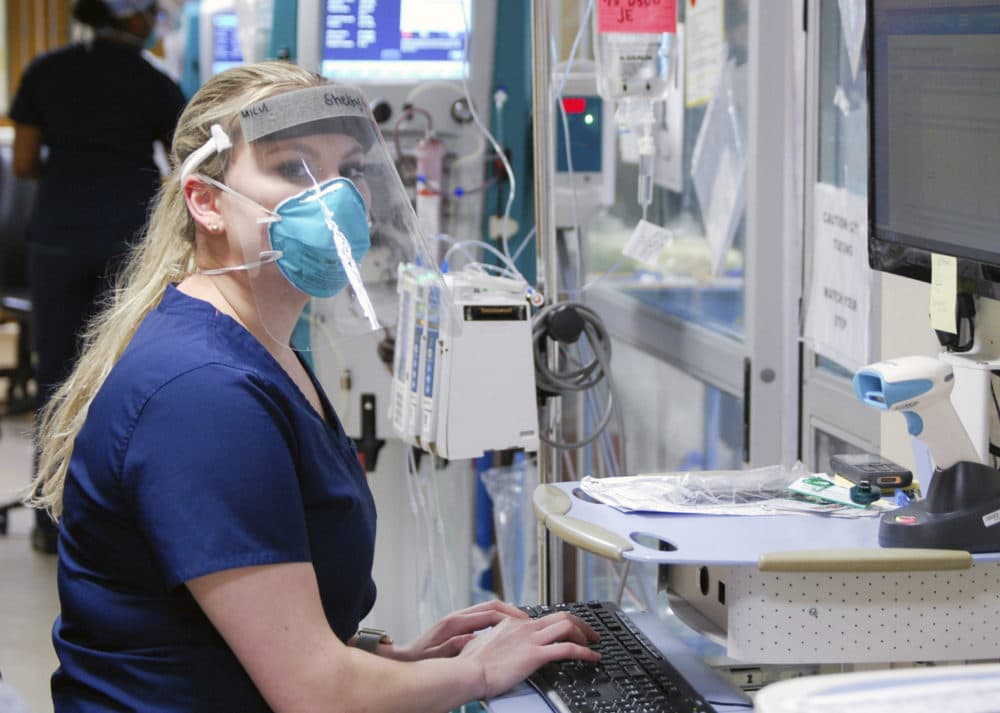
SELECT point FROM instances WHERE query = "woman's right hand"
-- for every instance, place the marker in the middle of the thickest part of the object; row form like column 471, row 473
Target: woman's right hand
column 515, row 648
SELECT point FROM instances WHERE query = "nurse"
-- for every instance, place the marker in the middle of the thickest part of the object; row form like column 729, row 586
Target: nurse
column 216, row 529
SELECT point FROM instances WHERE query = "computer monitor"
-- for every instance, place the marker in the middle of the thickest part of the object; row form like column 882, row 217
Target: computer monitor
column 934, row 138
column 219, row 44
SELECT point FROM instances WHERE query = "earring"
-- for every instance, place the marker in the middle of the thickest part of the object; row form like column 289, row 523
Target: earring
column 214, row 228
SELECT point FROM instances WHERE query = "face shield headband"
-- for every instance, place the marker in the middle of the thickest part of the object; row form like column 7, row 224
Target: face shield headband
column 316, row 236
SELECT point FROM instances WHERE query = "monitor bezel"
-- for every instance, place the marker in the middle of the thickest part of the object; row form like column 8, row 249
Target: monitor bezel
column 910, row 255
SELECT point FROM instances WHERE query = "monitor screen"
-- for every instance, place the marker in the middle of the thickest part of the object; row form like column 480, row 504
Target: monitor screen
column 225, row 41
column 404, row 41
column 934, row 136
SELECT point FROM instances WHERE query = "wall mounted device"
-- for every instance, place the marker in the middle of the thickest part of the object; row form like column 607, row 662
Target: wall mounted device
column 591, row 134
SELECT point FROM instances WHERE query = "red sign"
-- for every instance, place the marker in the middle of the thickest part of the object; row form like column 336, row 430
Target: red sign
column 637, row 16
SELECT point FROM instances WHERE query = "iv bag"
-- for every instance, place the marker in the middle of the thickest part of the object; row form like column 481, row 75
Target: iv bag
column 635, row 48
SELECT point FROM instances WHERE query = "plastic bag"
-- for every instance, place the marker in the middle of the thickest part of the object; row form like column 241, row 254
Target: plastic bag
column 711, row 487
column 511, row 489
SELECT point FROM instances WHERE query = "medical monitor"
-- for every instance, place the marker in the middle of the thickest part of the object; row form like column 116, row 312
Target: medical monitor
column 389, row 44
column 934, row 138
column 386, row 42
column 225, row 43
column 218, row 37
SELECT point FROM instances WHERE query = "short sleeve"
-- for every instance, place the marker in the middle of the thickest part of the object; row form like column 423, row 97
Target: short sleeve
column 24, row 108
column 171, row 104
column 211, row 467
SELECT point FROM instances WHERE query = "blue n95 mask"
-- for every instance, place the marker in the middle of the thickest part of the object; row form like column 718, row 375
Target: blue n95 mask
column 317, row 237
column 321, row 234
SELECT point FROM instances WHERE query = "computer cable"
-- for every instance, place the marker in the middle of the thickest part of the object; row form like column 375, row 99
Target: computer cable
column 994, row 448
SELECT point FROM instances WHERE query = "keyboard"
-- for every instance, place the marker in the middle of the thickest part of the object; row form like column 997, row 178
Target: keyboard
column 632, row 676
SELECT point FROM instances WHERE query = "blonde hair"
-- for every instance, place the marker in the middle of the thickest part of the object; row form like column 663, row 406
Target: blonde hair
column 163, row 256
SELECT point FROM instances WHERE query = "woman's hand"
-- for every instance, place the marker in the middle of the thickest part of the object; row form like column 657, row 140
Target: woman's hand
column 450, row 635
column 515, row 648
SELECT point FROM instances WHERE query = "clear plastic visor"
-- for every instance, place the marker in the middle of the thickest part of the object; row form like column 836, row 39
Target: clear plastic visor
column 328, row 221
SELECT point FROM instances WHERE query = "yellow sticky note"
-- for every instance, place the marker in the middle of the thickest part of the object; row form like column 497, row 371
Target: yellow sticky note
column 944, row 291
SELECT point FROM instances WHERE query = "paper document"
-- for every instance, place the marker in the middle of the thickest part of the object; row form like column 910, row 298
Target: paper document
column 658, row 494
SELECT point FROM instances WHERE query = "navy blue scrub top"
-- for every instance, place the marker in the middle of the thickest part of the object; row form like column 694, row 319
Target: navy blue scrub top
column 100, row 106
column 199, row 454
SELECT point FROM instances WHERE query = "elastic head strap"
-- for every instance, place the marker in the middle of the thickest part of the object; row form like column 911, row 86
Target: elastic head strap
column 218, row 142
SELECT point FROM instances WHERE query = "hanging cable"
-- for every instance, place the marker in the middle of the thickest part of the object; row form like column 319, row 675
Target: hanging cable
column 560, row 325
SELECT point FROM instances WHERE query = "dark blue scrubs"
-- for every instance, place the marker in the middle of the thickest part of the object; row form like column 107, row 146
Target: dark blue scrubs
column 199, row 454
column 99, row 107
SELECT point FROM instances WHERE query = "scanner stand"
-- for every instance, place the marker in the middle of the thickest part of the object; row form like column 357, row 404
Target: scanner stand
column 961, row 511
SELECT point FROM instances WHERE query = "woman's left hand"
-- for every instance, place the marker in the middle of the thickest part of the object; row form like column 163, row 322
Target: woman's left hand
column 450, row 635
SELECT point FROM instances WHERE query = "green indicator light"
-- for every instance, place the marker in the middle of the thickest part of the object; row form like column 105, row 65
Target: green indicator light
column 588, row 119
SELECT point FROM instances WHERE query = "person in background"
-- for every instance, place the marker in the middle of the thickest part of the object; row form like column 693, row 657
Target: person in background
column 86, row 117
column 217, row 530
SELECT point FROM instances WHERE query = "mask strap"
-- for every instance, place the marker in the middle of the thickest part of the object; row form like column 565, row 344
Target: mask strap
column 218, row 143
column 266, row 256
column 272, row 217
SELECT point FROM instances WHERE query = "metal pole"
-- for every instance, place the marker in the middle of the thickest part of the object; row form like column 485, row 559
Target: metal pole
column 549, row 553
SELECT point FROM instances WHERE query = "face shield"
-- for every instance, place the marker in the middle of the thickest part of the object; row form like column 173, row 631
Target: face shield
column 319, row 214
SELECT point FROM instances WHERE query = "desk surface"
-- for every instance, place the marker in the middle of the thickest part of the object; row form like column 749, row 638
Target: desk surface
column 725, row 697
column 802, row 588
column 726, row 540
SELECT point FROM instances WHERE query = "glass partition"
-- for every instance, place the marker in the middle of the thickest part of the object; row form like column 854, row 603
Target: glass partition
column 838, row 158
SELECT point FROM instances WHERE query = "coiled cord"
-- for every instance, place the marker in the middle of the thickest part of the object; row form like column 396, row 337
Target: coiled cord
column 562, row 324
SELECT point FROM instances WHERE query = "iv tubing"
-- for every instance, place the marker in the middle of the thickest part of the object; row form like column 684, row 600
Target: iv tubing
column 486, row 246
column 493, row 142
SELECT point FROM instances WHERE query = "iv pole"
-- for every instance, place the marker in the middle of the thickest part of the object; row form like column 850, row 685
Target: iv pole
column 550, row 558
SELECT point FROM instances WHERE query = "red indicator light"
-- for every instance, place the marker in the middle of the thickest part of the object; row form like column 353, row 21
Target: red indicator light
column 574, row 105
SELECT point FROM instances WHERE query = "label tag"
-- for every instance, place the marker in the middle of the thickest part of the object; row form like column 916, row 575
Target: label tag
column 706, row 49
column 944, row 292
column 637, row 16
column 646, row 243
column 991, row 519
